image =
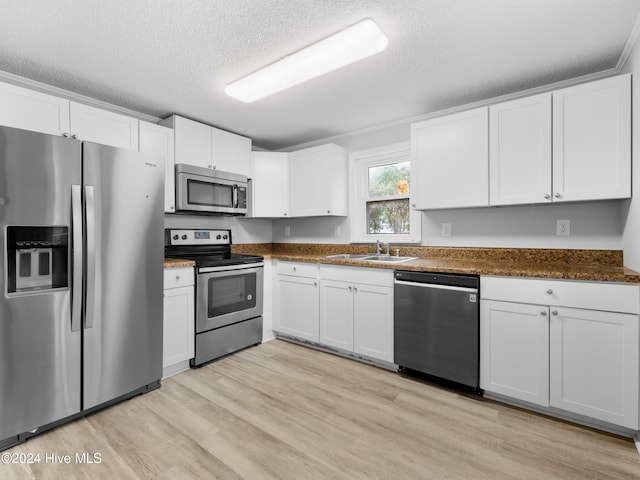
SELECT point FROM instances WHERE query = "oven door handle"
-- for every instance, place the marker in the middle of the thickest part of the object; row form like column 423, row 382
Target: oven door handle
column 226, row 268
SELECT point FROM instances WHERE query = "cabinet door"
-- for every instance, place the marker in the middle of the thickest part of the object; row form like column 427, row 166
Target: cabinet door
column 520, row 151
column 336, row 314
column 29, row 110
column 230, row 152
column 270, row 184
column 297, row 307
column 450, row 160
column 373, row 321
column 514, row 350
column 192, row 142
column 178, row 329
column 158, row 140
column 318, row 179
column 101, row 126
column 594, row 364
column 592, row 140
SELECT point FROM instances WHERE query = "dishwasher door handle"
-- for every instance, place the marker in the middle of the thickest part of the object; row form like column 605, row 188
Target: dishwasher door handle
column 435, row 285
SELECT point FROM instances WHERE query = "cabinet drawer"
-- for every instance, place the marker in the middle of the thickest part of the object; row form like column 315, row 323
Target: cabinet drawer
column 589, row 295
column 369, row 276
column 297, row 269
column 178, row 277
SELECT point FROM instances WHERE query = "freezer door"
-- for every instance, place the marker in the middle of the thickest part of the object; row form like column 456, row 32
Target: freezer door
column 123, row 197
column 39, row 350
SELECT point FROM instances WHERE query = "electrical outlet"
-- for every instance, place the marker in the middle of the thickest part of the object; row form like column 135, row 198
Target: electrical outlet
column 446, row 229
column 563, row 228
column 287, row 230
column 337, row 231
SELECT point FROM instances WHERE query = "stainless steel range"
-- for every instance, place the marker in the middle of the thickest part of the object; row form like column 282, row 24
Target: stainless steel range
column 229, row 288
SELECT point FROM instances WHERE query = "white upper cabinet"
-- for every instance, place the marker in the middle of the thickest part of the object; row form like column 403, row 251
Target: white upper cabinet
column 30, row 110
column 592, row 140
column 208, row 147
column 318, row 180
column 520, row 151
column 192, row 141
column 450, row 161
column 40, row 112
column 101, row 126
column 158, row 140
column 230, row 152
column 270, row 185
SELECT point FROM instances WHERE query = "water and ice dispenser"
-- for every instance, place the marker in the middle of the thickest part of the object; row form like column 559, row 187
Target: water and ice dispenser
column 37, row 258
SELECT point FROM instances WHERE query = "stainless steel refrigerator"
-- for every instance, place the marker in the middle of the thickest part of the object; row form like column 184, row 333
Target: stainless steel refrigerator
column 81, row 232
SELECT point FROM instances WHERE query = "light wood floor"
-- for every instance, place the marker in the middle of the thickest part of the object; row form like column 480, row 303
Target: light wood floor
column 282, row 411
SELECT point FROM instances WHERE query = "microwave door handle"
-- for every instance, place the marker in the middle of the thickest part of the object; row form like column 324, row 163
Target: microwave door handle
column 235, row 195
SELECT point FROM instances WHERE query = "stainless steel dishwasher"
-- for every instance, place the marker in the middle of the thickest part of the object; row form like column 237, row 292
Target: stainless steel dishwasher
column 436, row 325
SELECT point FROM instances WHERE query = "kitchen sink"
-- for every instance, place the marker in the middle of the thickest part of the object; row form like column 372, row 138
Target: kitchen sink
column 349, row 256
column 388, row 259
column 371, row 258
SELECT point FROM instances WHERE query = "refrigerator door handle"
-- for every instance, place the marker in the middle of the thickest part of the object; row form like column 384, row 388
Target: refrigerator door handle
column 76, row 228
column 90, row 219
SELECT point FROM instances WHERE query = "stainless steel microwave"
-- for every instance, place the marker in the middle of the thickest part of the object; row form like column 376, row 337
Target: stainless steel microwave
column 203, row 190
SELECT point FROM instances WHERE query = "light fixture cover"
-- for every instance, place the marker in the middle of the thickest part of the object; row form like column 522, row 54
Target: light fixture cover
column 347, row 46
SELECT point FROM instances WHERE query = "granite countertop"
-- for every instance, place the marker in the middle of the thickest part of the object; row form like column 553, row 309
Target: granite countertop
column 587, row 265
column 176, row 263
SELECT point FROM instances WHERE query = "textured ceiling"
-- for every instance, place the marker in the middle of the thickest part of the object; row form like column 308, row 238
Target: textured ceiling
column 175, row 56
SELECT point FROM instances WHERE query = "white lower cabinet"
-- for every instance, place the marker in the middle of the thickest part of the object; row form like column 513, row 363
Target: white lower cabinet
column 570, row 346
column 594, row 364
column 178, row 321
column 296, row 300
column 348, row 308
column 356, row 310
column 514, row 350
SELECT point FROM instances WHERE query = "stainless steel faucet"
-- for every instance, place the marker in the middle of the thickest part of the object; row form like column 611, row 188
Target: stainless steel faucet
column 380, row 246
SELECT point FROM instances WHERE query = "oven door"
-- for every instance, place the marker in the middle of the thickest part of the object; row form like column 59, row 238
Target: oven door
column 228, row 294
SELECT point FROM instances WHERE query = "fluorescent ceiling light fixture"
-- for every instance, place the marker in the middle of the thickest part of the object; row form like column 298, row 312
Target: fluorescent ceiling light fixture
column 347, row 46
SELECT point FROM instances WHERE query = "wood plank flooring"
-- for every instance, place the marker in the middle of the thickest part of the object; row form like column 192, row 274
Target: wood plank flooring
column 282, row 411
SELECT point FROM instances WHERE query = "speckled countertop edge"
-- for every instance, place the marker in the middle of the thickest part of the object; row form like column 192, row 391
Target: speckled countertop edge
column 176, row 263
column 587, row 265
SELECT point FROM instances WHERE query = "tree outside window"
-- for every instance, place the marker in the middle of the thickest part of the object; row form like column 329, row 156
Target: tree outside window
column 387, row 207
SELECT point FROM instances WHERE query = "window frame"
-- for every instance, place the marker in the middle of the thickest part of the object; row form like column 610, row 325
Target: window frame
column 359, row 163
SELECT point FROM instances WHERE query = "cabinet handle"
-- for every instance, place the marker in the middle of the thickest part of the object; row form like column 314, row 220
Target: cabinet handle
column 328, row 211
column 557, row 195
column 547, row 196
column 294, row 269
column 549, row 292
column 413, row 205
column 315, row 284
column 543, row 313
column 554, row 313
column 65, row 135
column 285, row 214
column 74, row 136
column 355, row 289
column 350, row 288
column 177, row 277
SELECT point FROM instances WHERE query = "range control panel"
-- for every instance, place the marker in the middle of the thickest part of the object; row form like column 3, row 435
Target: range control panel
column 198, row 237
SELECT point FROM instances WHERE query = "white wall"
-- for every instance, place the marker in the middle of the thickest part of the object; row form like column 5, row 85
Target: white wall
column 631, row 208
